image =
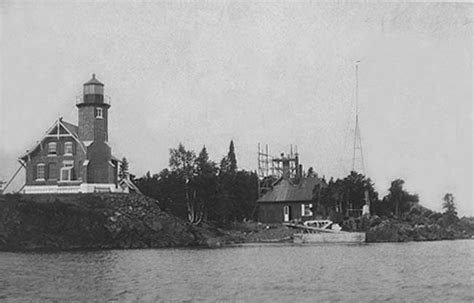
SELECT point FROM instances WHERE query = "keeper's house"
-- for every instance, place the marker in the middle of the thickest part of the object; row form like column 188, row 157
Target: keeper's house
column 75, row 159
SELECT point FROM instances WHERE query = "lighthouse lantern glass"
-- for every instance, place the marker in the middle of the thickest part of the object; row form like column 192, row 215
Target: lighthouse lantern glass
column 93, row 90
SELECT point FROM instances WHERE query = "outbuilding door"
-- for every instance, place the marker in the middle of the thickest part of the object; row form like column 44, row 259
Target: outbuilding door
column 286, row 213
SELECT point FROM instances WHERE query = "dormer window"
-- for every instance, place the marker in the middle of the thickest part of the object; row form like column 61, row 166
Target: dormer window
column 68, row 148
column 52, row 148
column 98, row 113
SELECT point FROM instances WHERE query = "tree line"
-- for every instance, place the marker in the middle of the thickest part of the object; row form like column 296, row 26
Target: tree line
column 198, row 189
column 346, row 197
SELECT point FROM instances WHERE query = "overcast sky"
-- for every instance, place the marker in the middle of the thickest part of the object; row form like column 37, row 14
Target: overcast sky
column 278, row 73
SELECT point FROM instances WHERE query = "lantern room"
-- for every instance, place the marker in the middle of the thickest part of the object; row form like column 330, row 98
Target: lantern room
column 93, row 91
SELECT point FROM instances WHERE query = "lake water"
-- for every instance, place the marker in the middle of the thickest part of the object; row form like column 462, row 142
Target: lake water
column 399, row 272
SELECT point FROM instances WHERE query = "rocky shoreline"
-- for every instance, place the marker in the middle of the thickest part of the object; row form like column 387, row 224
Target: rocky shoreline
column 418, row 224
column 92, row 221
column 121, row 221
column 392, row 231
column 388, row 230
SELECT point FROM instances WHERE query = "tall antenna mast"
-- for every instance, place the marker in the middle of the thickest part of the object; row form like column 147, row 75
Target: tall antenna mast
column 357, row 136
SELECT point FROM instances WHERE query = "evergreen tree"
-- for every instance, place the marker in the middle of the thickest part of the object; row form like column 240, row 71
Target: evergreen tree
column 205, row 182
column 232, row 158
column 205, row 167
column 229, row 163
column 123, row 173
column 203, row 156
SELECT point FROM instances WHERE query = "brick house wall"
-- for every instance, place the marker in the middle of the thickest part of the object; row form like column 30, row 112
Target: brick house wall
column 54, row 163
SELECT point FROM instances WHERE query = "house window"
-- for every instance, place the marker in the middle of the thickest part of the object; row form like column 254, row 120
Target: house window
column 66, row 171
column 306, row 210
column 68, row 148
column 52, row 148
column 52, row 172
column 40, row 171
column 98, row 113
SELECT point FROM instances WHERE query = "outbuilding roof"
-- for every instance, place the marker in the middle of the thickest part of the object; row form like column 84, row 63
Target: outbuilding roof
column 284, row 191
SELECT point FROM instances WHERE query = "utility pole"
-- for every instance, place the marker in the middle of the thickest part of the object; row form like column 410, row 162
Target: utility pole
column 357, row 135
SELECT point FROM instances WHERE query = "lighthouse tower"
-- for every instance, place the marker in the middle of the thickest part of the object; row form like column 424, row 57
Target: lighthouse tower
column 93, row 112
column 93, row 132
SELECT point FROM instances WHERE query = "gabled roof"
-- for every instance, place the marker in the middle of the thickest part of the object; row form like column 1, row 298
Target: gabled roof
column 284, row 191
column 60, row 123
column 73, row 129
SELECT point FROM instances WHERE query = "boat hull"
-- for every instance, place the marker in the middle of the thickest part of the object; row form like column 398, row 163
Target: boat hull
column 337, row 237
